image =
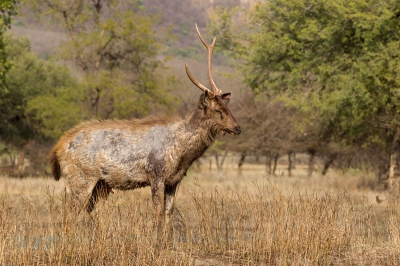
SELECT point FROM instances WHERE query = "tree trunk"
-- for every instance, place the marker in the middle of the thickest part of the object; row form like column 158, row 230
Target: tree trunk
column 393, row 182
column 276, row 157
column 94, row 95
column 328, row 163
column 21, row 159
column 311, row 162
column 241, row 161
column 197, row 164
column 269, row 163
column 12, row 159
column 290, row 163
column 223, row 158
column 293, row 160
column 383, row 172
column 217, row 161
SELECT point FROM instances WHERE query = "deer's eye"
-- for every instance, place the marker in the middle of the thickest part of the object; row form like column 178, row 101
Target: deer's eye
column 220, row 113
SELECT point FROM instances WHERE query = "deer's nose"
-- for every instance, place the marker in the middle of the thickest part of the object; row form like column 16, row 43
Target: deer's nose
column 238, row 130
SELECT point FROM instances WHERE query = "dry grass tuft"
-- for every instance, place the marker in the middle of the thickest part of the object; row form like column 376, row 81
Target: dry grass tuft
column 220, row 219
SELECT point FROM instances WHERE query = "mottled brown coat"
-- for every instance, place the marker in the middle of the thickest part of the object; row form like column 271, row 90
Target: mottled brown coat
column 98, row 156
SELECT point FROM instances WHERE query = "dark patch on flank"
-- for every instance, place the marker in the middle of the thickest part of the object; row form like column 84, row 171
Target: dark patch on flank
column 130, row 184
column 75, row 143
column 104, row 171
column 115, row 140
column 71, row 145
column 156, row 164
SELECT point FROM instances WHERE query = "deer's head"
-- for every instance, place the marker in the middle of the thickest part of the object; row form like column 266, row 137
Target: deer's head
column 213, row 103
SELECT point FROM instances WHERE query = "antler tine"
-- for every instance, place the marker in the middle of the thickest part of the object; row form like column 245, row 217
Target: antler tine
column 210, row 49
column 204, row 42
column 195, row 82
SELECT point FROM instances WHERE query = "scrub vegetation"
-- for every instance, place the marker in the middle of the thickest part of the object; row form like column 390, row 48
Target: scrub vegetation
column 220, row 219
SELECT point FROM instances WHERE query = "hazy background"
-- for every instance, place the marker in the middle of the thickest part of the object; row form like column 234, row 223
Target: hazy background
column 312, row 180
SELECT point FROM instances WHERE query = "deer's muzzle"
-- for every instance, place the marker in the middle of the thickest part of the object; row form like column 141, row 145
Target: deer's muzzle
column 236, row 131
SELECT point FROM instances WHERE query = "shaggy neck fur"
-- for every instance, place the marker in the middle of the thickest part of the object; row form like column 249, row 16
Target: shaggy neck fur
column 199, row 124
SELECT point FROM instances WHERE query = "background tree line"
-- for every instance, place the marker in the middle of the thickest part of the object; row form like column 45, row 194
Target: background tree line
column 316, row 77
column 336, row 63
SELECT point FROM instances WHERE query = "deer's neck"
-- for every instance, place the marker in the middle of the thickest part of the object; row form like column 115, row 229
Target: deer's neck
column 201, row 128
column 193, row 139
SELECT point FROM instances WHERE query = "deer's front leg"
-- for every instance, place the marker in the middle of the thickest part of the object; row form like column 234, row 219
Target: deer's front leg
column 157, row 192
column 169, row 202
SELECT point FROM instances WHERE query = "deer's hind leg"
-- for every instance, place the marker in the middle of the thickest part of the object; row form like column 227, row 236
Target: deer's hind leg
column 100, row 191
column 81, row 187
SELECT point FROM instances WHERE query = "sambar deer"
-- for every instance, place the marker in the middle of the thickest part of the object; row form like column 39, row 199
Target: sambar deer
column 97, row 156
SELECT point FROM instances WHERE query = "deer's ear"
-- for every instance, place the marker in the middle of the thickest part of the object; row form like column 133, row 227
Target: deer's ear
column 226, row 97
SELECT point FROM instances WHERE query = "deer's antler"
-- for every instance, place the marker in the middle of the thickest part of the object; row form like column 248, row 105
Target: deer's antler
column 195, row 82
column 210, row 49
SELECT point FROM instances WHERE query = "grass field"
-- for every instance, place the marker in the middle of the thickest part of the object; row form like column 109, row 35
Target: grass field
column 220, row 219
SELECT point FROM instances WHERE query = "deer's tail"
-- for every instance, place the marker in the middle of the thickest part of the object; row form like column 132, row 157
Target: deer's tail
column 55, row 165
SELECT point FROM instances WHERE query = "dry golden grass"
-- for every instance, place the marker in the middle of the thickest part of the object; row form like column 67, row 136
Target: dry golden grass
column 220, row 219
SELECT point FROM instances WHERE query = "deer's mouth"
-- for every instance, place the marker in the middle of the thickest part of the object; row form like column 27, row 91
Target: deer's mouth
column 236, row 131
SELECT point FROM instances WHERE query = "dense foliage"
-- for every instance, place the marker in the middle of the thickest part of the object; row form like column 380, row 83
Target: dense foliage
column 338, row 60
column 115, row 46
column 34, row 87
column 7, row 10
